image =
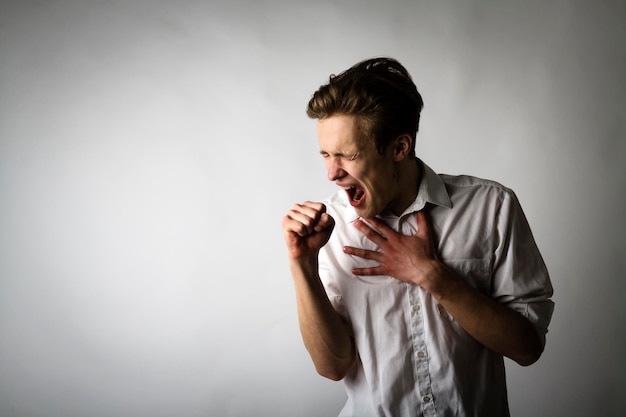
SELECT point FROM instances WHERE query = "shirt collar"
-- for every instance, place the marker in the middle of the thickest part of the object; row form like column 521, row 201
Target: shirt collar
column 431, row 190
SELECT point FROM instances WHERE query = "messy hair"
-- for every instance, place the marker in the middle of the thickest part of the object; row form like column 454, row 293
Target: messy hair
column 380, row 93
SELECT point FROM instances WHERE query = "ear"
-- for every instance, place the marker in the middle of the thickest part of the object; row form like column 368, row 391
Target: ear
column 402, row 146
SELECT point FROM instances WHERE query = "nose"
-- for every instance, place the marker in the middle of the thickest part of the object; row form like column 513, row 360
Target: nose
column 334, row 169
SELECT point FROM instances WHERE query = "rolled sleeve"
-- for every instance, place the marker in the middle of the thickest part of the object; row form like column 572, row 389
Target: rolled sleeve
column 520, row 277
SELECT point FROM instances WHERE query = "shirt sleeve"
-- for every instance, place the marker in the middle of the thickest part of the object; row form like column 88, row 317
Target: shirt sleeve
column 331, row 286
column 520, row 279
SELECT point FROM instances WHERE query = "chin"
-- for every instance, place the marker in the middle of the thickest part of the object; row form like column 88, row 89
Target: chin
column 366, row 212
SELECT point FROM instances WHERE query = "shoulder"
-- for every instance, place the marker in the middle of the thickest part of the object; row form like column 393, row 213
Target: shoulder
column 475, row 188
column 469, row 181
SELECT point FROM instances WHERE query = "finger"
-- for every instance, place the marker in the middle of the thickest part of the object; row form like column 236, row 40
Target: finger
column 291, row 225
column 312, row 210
column 307, row 214
column 325, row 221
column 363, row 253
column 300, row 223
column 319, row 207
column 379, row 226
column 423, row 228
column 371, row 271
column 369, row 232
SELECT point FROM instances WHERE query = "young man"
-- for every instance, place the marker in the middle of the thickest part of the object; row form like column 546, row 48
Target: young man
column 411, row 287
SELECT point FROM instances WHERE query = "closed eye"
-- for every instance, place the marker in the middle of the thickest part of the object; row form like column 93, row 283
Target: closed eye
column 349, row 157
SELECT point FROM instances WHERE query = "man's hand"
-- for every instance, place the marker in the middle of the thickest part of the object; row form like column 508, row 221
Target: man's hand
column 307, row 227
column 411, row 259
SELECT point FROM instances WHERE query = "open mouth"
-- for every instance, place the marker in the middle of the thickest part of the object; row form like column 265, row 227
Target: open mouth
column 355, row 195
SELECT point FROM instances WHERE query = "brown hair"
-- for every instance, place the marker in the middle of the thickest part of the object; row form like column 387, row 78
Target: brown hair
column 380, row 93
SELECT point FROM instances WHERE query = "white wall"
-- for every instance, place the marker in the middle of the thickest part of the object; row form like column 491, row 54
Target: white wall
column 148, row 150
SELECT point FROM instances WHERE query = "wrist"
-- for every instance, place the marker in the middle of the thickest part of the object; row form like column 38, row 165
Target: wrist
column 305, row 264
column 440, row 280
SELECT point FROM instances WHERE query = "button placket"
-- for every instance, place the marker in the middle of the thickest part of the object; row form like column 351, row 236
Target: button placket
column 421, row 370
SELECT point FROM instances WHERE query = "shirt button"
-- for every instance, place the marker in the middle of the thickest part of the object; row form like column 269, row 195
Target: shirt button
column 426, row 399
column 416, row 307
column 420, row 354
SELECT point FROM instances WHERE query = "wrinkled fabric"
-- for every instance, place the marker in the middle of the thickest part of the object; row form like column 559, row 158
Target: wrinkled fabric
column 414, row 359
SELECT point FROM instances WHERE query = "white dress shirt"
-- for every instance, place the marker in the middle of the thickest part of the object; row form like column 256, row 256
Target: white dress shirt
column 414, row 359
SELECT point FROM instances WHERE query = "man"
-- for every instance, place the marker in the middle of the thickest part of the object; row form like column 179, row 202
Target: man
column 411, row 287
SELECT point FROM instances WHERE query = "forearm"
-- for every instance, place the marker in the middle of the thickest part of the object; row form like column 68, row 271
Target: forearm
column 499, row 328
column 324, row 332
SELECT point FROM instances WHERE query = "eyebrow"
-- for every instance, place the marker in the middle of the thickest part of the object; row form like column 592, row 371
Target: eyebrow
column 340, row 154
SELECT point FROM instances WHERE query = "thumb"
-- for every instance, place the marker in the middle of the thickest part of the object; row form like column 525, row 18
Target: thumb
column 423, row 228
column 325, row 221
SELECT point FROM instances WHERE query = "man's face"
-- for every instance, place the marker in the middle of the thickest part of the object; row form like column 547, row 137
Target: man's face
column 354, row 164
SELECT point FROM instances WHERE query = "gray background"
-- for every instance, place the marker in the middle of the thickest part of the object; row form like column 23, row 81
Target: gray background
column 148, row 150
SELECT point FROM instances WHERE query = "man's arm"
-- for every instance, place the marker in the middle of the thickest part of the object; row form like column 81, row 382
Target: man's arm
column 499, row 328
column 307, row 227
column 413, row 259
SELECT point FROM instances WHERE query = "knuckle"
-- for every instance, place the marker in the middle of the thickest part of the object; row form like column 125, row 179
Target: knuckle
column 285, row 222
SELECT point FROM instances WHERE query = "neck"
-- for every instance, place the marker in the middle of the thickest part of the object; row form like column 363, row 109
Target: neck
column 409, row 176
